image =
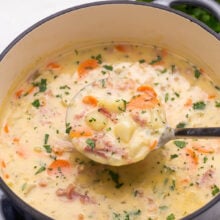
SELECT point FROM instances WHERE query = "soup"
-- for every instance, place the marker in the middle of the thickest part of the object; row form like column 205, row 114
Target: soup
column 40, row 164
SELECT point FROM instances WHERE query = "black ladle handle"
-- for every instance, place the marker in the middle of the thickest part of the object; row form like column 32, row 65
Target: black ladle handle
column 197, row 132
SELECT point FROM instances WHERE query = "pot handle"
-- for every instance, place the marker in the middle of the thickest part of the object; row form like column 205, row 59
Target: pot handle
column 210, row 5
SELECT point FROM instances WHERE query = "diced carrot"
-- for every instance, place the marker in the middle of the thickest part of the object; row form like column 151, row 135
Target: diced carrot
column 185, row 181
column 80, row 217
column 164, row 52
column 16, row 140
column 143, row 101
column 81, row 133
column 6, row 176
column 3, row 164
column 90, row 100
column 149, row 90
column 193, row 156
column 20, row 152
column 188, row 103
column 30, row 90
column 58, row 151
column 59, row 166
column 53, row 65
column 122, row 47
column 153, row 145
column 6, row 129
column 203, row 150
column 86, row 66
column 211, row 96
column 19, row 93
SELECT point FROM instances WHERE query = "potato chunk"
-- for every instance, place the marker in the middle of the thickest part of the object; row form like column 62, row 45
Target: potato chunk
column 116, row 106
column 125, row 129
column 96, row 120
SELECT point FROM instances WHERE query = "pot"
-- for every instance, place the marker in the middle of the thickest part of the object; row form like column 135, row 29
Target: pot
column 120, row 21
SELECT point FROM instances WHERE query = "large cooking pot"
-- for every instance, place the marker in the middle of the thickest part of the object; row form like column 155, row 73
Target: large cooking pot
column 115, row 20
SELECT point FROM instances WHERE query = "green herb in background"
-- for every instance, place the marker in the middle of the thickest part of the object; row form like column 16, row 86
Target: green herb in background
column 198, row 13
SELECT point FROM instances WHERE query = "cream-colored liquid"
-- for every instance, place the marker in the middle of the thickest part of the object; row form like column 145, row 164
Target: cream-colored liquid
column 33, row 136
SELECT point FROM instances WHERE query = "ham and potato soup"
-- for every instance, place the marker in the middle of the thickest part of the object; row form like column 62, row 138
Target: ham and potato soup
column 61, row 109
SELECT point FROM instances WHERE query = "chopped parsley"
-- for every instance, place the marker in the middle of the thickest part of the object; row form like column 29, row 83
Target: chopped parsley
column 199, row 105
column 205, row 159
column 68, row 128
column 158, row 59
column 166, row 97
column 173, row 185
column 123, row 108
column 170, row 217
column 173, row 156
column 40, row 170
column 108, row 67
column 98, row 58
column 46, row 137
column 92, row 120
column 215, row 190
column 115, row 178
column 64, row 87
column 197, row 73
column 142, row 61
column 181, row 125
column 47, row 148
column 126, row 215
column 36, row 103
column 217, row 87
column 42, row 85
column 180, row 144
column 217, row 104
column 91, row 143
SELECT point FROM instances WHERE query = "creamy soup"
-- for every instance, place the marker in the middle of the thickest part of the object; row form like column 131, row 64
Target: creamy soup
column 119, row 123
column 39, row 160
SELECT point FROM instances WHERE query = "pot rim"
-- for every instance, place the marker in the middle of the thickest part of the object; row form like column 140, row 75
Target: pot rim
column 17, row 200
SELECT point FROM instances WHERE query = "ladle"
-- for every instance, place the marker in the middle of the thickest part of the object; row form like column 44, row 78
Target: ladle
column 114, row 123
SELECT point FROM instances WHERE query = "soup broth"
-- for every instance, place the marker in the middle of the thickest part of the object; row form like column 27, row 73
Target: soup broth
column 39, row 163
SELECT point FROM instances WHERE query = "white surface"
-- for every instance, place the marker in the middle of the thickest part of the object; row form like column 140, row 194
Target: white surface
column 16, row 15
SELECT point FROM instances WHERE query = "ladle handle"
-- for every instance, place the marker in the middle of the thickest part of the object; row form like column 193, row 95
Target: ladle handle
column 197, row 132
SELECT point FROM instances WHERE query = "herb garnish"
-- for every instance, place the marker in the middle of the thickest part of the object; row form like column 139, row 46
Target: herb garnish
column 180, row 144
column 181, row 125
column 197, row 73
column 108, row 67
column 41, row 169
column 205, row 159
column 68, row 128
column 158, row 59
column 199, row 105
column 171, row 217
column 115, row 178
column 64, row 87
column 126, row 215
column 142, row 61
column 42, row 85
column 217, row 87
column 217, row 104
column 173, row 156
column 166, row 97
column 91, row 143
column 46, row 146
column 215, row 190
column 98, row 58
column 123, row 108
column 36, row 103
